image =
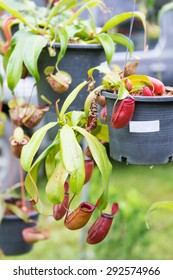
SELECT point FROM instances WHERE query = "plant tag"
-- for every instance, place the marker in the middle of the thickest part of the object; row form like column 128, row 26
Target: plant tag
column 144, row 126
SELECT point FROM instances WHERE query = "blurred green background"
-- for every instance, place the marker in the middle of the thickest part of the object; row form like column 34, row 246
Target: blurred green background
column 135, row 188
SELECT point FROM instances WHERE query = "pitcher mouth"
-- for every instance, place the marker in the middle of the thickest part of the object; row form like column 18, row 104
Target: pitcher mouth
column 86, row 207
column 107, row 216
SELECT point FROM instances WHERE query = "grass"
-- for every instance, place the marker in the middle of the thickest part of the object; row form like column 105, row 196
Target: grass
column 135, row 188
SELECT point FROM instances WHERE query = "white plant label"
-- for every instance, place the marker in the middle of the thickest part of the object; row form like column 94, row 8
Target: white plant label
column 144, row 126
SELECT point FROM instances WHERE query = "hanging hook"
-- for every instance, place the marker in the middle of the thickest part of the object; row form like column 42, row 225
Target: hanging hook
column 130, row 35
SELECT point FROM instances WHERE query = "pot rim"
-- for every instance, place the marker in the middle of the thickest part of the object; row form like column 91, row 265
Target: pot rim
column 15, row 217
column 148, row 99
column 77, row 46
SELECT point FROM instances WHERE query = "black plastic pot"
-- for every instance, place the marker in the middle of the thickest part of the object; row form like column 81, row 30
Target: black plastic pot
column 77, row 61
column 11, row 240
column 148, row 138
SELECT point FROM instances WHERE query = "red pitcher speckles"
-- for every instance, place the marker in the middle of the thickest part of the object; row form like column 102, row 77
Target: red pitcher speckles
column 59, row 210
column 80, row 216
column 28, row 115
column 101, row 227
column 123, row 113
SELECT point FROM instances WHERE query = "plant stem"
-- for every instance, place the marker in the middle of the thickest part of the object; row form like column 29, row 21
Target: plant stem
column 12, row 163
column 22, row 186
column 130, row 34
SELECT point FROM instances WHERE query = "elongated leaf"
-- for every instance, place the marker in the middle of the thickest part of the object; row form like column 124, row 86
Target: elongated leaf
column 108, row 45
column 101, row 132
column 60, row 5
column 14, row 12
column 123, row 40
column 101, row 68
column 19, row 36
column 76, row 117
column 32, row 177
column 122, row 92
column 31, row 52
column 100, row 157
column 112, row 78
column 139, row 80
column 63, row 35
column 72, row 157
column 120, row 18
column 167, row 205
column 70, row 98
column 50, row 162
column 164, row 9
column 15, row 66
column 31, row 148
column 88, row 4
column 2, row 209
column 6, row 58
column 55, row 185
column 17, row 211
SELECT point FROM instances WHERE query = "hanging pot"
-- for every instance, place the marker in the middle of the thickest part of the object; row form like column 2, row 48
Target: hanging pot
column 76, row 62
column 148, row 138
column 11, row 239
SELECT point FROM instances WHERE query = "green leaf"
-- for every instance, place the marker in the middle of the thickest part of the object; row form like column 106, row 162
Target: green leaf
column 72, row 30
column 164, row 9
column 100, row 157
column 2, row 209
column 70, row 98
column 77, row 116
column 85, row 6
column 17, row 211
column 26, row 50
column 101, row 68
column 55, row 185
column 108, row 45
column 123, row 40
column 113, row 78
column 120, row 18
column 139, row 80
column 31, row 52
column 14, row 12
column 63, row 36
column 31, row 148
column 3, row 117
column 167, row 205
column 73, row 158
column 122, row 92
column 32, row 177
column 19, row 37
column 6, row 58
column 15, row 66
column 60, row 5
column 50, row 162
column 101, row 132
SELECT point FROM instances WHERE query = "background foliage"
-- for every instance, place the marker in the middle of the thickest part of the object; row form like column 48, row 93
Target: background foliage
column 135, row 188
